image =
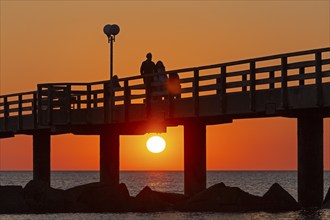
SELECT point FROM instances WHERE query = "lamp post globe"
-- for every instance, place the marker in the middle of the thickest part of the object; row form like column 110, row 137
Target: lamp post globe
column 111, row 31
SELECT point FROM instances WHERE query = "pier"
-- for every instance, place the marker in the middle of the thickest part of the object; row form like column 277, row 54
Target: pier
column 294, row 85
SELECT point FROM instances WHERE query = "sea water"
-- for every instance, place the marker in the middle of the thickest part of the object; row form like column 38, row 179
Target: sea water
column 254, row 182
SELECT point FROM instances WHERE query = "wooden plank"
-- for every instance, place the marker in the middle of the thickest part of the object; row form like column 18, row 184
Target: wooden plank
column 298, row 65
column 268, row 69
column 237, row 73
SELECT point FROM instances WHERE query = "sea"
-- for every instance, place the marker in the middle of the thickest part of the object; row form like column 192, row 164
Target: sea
column 254, row 182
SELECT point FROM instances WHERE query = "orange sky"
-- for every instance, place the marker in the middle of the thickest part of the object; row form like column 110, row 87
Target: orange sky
column 63, row 41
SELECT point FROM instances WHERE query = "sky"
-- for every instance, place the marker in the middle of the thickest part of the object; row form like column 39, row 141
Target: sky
column 63, row 41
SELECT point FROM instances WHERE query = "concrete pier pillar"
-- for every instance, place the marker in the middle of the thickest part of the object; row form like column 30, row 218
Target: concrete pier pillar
column 109, row 156
column 310, row 161
column 41, row 155
column 194, row 158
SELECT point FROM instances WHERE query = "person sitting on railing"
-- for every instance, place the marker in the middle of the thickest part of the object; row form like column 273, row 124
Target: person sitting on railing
column 173, row 85
column 161, row 79
column 115, row 82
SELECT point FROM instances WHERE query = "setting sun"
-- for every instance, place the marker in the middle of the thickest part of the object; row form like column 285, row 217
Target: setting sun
column 156, row 144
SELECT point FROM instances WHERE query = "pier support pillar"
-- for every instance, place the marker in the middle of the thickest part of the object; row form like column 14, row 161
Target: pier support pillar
column 41, row 155
column 310, row 161
column 109, row 156
column 194, row 158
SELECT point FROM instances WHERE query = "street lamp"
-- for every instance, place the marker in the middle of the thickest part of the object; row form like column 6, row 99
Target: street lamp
column 111, row 30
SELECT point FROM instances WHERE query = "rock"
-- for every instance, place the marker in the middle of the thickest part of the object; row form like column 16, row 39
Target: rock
column 222, row 198
column 278, row 199
column 149, row 201
column 41, row 198
column 12, row 200
column 173, row 198
column 326, row 202
column 100, row 197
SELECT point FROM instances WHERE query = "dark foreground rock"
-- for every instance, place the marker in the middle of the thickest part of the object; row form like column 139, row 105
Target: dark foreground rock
column 39, row 197
column 222, row 198
column 12, row 200
column 326, row 202
column 150, row 201
column 277, row 199
column 100, row 197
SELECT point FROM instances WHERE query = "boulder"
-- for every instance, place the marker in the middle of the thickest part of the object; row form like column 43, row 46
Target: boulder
column 12, row 200
column 149, row 201
column 222, row 198
column 40, row 197
column 278, row 199
column 99, row 197
column 326, row 202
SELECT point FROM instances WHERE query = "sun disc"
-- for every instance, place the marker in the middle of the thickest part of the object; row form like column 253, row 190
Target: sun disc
column 156, row 144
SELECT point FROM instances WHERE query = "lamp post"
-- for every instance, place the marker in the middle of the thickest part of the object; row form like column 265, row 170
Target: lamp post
column 111, row 30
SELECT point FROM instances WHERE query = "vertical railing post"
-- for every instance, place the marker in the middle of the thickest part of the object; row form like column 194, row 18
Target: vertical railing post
column 88, row 104
column 111, row 101
column 20, row 112
column 223, row 89
column 301, row 74
column 271, row 78
column 195, row 94
column 6, row 111
column 244, row 79
column 284, row 84
column 35, row 105
column 106, row 102
column 95, row 100
column 318, row 80
column 253, row 86
column 50, row 104
column 68, row 103
column 40, row 112
column 127, row 99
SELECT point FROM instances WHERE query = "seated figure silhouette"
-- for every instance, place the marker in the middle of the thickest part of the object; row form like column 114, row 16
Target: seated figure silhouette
column 173, row 85
column 115, row 82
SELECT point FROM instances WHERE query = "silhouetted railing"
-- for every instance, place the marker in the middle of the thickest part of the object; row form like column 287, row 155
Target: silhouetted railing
column 246, row 76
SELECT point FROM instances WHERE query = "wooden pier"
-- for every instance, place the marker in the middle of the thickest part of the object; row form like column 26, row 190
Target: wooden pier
column 295, row 85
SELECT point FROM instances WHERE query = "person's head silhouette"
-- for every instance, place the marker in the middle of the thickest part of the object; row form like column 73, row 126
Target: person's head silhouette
column 149, row 56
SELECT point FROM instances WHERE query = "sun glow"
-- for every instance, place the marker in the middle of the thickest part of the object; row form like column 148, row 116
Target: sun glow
column 156, row 144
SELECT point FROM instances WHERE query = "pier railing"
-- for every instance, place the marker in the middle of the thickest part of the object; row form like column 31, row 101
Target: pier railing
column 245, row 76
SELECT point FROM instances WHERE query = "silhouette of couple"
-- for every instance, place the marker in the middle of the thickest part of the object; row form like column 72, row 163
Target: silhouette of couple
column 155, row 78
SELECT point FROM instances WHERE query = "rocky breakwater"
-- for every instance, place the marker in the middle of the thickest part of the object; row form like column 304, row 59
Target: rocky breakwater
column 38, row 197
